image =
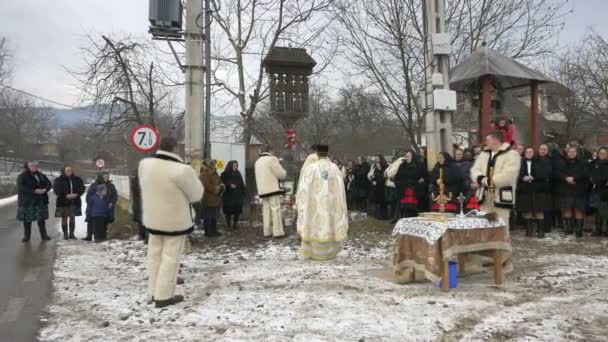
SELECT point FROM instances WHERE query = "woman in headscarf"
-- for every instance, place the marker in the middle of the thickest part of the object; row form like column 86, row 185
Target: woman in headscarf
column 103, row 178
column 599, row 192
column 411, row 184
column 376, row 177
column 33, row 200
column 534, row 191
column 234, row 196
column 574, row 183
column 68, row 188
column 447, row 173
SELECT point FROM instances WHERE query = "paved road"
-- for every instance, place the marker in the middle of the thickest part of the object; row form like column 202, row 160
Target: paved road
column 25, row 276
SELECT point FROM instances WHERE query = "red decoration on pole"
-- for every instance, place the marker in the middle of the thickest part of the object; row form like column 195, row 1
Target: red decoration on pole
column 290, row 138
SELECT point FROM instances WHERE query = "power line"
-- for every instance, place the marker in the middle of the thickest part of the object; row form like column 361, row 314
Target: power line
column 38, row 97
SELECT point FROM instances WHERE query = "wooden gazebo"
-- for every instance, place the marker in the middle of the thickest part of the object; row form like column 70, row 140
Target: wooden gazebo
column 484, row 71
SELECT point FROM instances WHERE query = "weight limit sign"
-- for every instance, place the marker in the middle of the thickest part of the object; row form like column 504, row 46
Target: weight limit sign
column 145, row 138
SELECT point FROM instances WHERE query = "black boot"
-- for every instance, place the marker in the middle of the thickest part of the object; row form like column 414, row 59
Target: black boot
column 568, row 226
column 540, row 229
column 547, row 225
column 89, row 236
column 214, row 231
column 42, row 228
column 580, row 226
column 173, row 300
column 72, row 230
column 235, row 223
column 27, row 232
column 228, row 221
column 529, row 227
column 64, row 229
column 597, row 231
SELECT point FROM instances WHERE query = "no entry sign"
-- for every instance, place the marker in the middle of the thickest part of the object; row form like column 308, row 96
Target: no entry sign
column 145, row 138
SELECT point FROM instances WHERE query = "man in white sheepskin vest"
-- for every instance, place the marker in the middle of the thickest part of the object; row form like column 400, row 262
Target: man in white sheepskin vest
column 268, row 174
column 497, row 165
column 168, row 189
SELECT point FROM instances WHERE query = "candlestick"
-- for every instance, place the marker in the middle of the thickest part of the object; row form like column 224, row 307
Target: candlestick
column 461, row 198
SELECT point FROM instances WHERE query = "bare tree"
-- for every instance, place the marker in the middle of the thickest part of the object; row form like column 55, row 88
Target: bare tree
column 251, row 28
column 24, row 126
column 384, row 41
column 124, row 81
column 5, row 61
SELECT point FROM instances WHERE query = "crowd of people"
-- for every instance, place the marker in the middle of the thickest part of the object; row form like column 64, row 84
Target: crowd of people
column 556, row 187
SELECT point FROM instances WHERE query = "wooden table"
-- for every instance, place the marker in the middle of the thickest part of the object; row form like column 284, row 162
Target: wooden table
column 417, row 258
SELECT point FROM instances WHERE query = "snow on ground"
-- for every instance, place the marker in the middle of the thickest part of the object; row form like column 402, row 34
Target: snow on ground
column 262, row 290
column 7, row 201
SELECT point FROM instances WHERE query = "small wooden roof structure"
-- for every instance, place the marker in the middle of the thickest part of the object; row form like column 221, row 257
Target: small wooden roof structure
column 486, row 69
column 507, row 73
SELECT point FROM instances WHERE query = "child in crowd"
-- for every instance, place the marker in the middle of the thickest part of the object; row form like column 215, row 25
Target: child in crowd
column 99, row 211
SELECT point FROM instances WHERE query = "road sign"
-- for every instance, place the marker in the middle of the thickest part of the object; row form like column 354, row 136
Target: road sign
column 100, row 163
column 145, row 138
column 220, row 164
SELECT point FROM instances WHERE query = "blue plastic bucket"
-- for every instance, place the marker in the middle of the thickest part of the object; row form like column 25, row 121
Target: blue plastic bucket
column 453, row 267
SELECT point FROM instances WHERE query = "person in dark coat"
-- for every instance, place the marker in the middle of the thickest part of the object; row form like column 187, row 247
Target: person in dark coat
column 142, row 232
column 574, row 182
column 377, row 180
column 446, row 172
column 99, row 210
column 68, row 188
column 33, row 200
column 112, row 196
column 599, row 193
column 360, row 186
column 544, row 155
column 534, row 191
column 557, row 158
column 411, row 184
column 234, row 195
column 464, row 165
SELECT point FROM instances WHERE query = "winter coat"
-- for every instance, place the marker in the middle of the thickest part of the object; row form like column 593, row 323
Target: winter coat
column 168, row 188
column 464, row 166
column 268, row 175
column 214, row 188
column 452, row 178
column 409, row 175
column 112, row 195
column 62, row 188
column 136, row 199
column 376, row 177
column 579, row 170
column 598, row 175
column 27, row 183
column 542, row 172
column 98, row 206
column 506, row 170
column 233, row 199
column 360, row 186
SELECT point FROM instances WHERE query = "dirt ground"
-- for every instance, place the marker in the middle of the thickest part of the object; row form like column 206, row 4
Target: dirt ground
column 244, row 287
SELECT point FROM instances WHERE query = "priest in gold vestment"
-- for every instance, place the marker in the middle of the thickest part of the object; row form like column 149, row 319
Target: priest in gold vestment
column 321, row 206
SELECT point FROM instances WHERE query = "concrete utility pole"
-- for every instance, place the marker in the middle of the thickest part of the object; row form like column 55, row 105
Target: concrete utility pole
column 195, row 69
column 207, row 79
column 438, row 123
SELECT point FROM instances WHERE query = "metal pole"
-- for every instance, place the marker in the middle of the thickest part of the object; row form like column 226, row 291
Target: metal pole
column 194, row 122
column 207, row 79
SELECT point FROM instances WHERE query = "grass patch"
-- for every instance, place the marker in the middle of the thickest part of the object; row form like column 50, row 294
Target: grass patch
column 123, row 227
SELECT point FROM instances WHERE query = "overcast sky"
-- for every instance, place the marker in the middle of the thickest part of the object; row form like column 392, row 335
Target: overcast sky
column 45, row 35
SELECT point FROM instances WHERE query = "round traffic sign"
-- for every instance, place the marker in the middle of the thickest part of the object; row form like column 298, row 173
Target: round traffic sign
column 145, row 138
column 100, row 163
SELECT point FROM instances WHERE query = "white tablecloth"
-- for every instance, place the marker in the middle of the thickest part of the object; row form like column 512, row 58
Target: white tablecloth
column 434, row 230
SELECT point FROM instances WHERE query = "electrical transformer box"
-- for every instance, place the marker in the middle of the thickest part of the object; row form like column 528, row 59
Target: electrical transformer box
column 165, row 15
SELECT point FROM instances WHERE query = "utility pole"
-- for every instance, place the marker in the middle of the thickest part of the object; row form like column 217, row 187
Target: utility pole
column 207, row 151
column 439, row 101
column 195, row 68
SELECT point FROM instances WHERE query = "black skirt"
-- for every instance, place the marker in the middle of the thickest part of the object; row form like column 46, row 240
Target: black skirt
column 567, row 201
column 533, row 201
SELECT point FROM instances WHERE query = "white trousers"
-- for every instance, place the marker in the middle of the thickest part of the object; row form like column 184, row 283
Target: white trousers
column 271, row 215
column 163, row 264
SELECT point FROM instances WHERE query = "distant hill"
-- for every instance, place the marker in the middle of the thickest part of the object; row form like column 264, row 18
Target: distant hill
column 66, row 117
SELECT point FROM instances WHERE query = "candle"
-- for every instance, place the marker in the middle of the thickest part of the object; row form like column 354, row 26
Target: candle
column 441, row 175
column 491, row 177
